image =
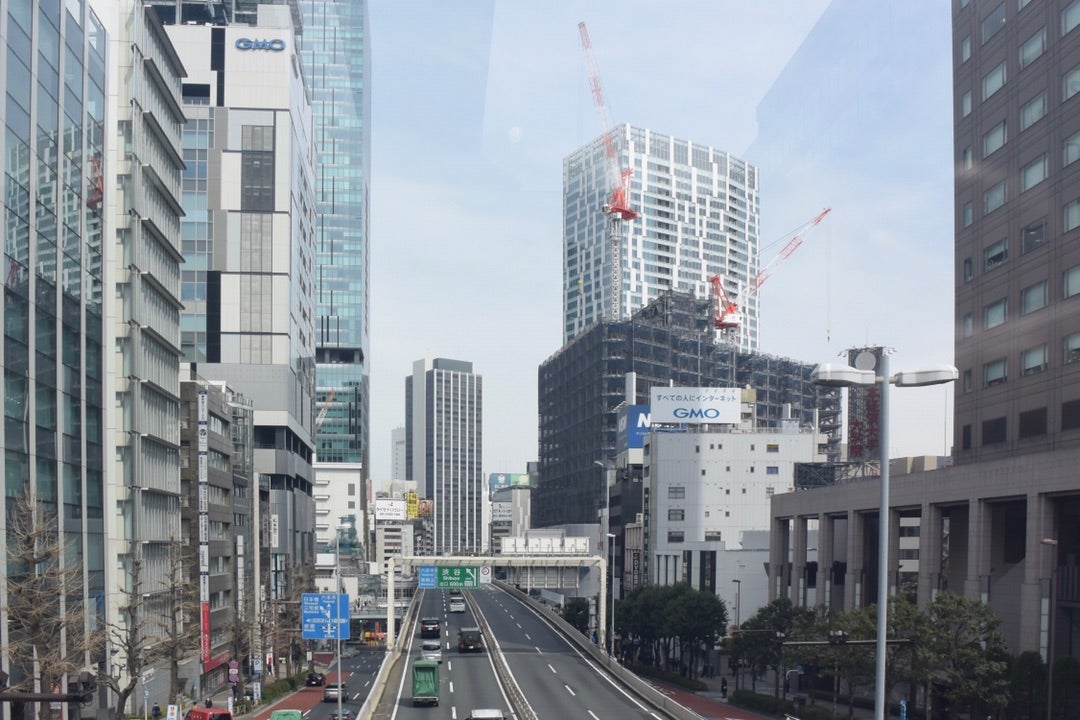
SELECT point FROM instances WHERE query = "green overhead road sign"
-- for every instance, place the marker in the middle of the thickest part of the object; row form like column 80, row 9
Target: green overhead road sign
column 458, row 577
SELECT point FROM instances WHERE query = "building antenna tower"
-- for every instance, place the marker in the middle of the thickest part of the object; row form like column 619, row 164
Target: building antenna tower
column 617, row 208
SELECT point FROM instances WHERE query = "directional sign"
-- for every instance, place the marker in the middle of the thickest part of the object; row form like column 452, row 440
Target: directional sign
column 458, row 577
column 427, row 577
column 325, row 616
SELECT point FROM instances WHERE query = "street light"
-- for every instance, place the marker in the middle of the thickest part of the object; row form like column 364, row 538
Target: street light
column 834, row 375
column 738, row 600
column 609, row 468
column 337, row 633
column 1052, row 591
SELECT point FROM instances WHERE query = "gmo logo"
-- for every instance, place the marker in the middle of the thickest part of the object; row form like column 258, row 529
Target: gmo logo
column 275, row 45
column 692, row 413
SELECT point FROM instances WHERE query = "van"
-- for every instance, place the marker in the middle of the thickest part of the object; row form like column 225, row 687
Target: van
column 202, row 713
column 287, row 715
column 470, row 640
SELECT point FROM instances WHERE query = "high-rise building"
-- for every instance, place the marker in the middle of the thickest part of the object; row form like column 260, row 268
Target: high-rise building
column 249, row 247
column 336, row 53
column 698, row 217
column 1017, row 142
column 55, row 349
column 444, row 413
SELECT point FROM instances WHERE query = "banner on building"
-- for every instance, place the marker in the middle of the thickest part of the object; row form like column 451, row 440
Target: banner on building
column 390, row 510
column 694, row 405
column 412, row 505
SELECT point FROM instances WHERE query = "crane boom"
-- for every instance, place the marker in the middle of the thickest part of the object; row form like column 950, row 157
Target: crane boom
column 727, row 310
column 617, row 208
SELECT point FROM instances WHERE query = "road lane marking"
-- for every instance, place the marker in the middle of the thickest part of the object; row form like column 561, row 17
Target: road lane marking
column 552, row 669
column 451, row 686
column 592, row 715
column 569, row 690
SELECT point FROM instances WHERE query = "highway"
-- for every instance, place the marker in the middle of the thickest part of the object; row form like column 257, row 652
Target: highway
column 361, row 665
column 558, row 681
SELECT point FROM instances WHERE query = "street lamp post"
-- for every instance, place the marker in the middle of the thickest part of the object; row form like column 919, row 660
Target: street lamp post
column 337, row 630
column 605, row 637
column 738, row 600
column 845, row 376
column 1052, row 592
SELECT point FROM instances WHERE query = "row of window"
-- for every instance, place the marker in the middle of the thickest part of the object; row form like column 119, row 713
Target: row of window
column 1032, row 298
column 994, row 22
column 1030, row 424
column 1032, row 361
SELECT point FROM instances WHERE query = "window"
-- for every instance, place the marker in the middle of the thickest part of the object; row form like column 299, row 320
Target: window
column 965, row 158
column 996, row 254
column 993, row 431
column 994, row 198
column 1070, row 85
column 1070, row 415
column 772, row 448
column 1033, row 173
column 969, row 271
column 1072, row 149
column 1072, row 215
column 967, row 382
column 969, row 325
column 712, row 536
column 994, row 314
column 993, row 81
column 994, row 22
column 965, row 104
column 1072, row 348
column 1032, row 423
column 1033, row 298
column 1032, row 111
column 675, row 492
column 675, row 536
column 994, row 372
column 676, row 515
column 1033, row 48
column 1033, row 236
column 1033, row 360
column 994, row 138
column 1071, row 281
column 968, row 215
column 965, row 49
column 1070, row 17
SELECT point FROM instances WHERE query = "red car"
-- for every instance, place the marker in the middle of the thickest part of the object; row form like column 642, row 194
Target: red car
column 430, row 628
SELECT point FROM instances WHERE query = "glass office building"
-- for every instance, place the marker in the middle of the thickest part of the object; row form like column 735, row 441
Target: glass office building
column 52, row 355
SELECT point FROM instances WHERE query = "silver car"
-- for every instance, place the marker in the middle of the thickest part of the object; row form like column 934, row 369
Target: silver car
column 431, row 650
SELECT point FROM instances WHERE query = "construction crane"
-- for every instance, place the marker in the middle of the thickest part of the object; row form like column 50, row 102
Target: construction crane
column 617, row 208
column 326, row 406
column 728, row 315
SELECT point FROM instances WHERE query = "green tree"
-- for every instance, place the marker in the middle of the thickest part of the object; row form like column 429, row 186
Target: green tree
column 760, row 639
column 1066, row 697
column 576, row 612
column 967, row 652
column 1027, row 674
column 698, row 620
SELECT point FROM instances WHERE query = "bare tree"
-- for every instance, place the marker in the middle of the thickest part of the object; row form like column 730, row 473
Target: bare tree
column 180, row 624
column 50, row 635
column 133, row 638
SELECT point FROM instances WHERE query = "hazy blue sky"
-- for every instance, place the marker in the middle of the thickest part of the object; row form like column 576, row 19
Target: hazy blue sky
column 476, row 103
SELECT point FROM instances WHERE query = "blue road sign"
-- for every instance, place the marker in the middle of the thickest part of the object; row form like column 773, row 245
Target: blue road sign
column 427, row 577
column 325, row 616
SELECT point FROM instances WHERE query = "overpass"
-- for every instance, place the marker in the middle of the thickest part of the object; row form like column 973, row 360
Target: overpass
column 531, row 562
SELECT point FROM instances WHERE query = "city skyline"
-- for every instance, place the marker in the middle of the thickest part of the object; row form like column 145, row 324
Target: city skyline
column 466, row 212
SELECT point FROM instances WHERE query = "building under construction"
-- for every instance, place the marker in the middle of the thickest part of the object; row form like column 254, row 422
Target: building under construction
column 671, row 341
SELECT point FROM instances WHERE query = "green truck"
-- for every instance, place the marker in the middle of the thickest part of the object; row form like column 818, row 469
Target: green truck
column 425, row 682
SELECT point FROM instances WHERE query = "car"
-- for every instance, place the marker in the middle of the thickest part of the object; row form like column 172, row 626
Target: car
column 430, row 628
column 457, row 604
column 334, row 690
column 431, row 650
column 315, row 679
column 346, row 714
column 470, row 640
column 486, row 714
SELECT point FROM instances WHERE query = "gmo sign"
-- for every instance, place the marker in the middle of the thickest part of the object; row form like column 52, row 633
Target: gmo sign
column 275, row 45
column 694, row 405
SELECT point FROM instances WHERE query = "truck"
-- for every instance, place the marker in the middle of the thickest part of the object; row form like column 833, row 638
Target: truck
column 425, row 682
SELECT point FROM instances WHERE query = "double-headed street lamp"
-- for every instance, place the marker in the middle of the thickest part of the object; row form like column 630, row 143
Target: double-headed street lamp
column 873, row 370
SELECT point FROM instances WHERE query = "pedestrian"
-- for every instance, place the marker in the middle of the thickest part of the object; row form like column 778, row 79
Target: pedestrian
column 209, row 702
column 156, row 711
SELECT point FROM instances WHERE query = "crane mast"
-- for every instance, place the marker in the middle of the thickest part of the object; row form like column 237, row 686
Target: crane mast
column 617, row 208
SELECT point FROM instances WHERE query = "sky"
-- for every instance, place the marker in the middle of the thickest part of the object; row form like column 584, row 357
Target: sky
column 476, row 103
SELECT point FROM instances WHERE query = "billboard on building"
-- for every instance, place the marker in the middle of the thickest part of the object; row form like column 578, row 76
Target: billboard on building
column 501, row 512
column 632, row 426
column 694, row 405
column 501, row 481
column 426, row 507
column 412, row 505
column 391, row 510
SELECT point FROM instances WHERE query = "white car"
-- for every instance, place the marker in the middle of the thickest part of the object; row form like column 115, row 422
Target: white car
column 457, row 603
column 431, row 650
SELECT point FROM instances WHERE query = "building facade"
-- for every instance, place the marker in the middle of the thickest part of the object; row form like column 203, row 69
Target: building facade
column 57, row 252
column 698, row 211
column 249, row 250
column 444, row 422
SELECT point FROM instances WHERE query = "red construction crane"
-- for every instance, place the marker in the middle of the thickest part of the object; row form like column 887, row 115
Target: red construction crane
column 727, row 311
column 617, row 208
